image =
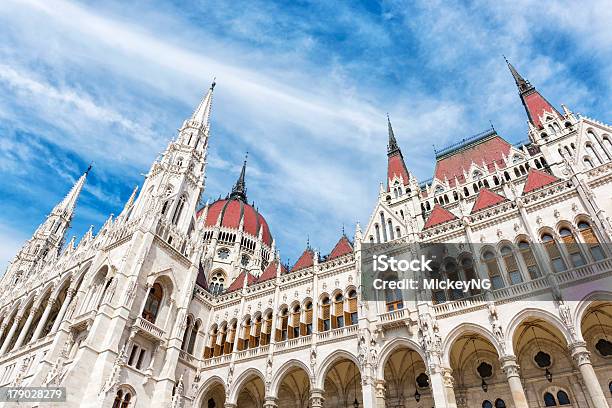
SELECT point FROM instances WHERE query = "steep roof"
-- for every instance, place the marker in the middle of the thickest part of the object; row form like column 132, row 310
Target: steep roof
column 397, row 167
column 343, row 247
column 201, row 278
column 270, row 271
column 486, row 198
column 306, row 260
column 439, row 215
column 537, row 179
column 488, row 148
column 239, row 281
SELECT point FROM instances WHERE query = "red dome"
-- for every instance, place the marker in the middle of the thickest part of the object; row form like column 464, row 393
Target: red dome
column 232, row 211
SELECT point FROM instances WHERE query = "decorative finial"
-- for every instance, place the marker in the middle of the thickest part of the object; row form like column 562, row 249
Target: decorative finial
column 89, row 168
column 492, row 127
column 214, row 82
column 308, row 241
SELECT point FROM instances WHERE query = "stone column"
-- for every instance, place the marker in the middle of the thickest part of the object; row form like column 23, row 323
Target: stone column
column 43, row 319
column 316, row 398
column 26, row 327
column 380, row 394
column 270, row 402
column 368, row 394
column 62, row 311
column 511, row 368
column 582, row 359
column 449, row 384
column 10, row 334
column 438, row 390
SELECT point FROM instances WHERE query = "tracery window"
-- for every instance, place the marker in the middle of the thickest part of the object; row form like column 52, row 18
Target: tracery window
column 325, row 320
column 352, row 307
column 294, row 329
column 122, row 399
column 308, row 318
column 281, row 334
column 338, row 318
column 179, row 209
column 217, row 282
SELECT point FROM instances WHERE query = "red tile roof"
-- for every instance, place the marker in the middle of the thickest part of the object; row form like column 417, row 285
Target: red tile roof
column 306, row 260
column 343, row 247
column 536, row 104
column 269, row 273
column 232, row 212
column 537, row 179
column 488, row 151
column 239, row 281
column 486, row 198
column 397, row 167
column 439, row 215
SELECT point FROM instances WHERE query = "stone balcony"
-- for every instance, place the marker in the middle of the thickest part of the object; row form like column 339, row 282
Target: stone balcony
column 148, row 329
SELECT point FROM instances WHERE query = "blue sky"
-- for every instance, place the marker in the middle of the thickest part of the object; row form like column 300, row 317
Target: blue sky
column 303, row 86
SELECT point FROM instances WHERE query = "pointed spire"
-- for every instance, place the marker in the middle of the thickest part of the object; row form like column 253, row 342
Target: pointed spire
column 239, row 190
column 67, row 205
column 522, row 84
column 129, row 203
column 202, row 113
column 392, row 147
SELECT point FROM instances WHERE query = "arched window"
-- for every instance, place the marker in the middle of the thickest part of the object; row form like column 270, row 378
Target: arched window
column 152, row 303
column 487, row 404
column 467, row 265
column 499, row 403
column 553, row 253
column 549, row 400
column 282, row 332
column 588, row 163
column 325, row 321
column 593, row 153
column 186, row 333
column 122, row 399
column 572, row 247
column 529, row 259
column 352, row 307
column 243, row 343
column 178, row 210
column 390, row 223
column 466, row 192
column 507, row 176
column 230, row 339
column 294, row 326
column 377, row 229
column 563, row 398
column 338, row 318
column 165, row 207
column 217, row 281
column 267, row 329
column 212, row 342
column 511, row 265
column 591, row 240
column 607, row 144
column 393, row 297
column 104, row 292
column 437, row 295
column 452, row 274
column 194, row 335
column 490, row 260
column 256, row 335
column 308, row 318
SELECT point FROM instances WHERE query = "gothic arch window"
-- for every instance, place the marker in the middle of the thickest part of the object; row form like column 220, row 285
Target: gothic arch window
column 591, row 240
column 529, row 259
column 568, row 151
column 193, row 337
column 281, row 333
column 338, row 312
column 496, row 180
column 563, row 398
column 556, row 127
column 543, row 162
column 186, row 333
column 212, row 342
column 537, row 164
column 243, row 343
column 500, row 403
column 490, row 260
column 104, row 292
column 551, row 130
column 466, row 192
column 179, row 209
column 398, row 232
column 256, row 335
column 487, row 404
column 517, row 172
column 439, row 189
column 588, row 163
column 393, row 297
column 123, row 398
column 512, row 268
column 516, row 158
column 549, row 400
column 605, row 141
column 507, row 176
column 382, row 225
column 352, row 307
column 377, row 230
column 593, row 153
column 553, row 253
column 217, row 282
column 572, row 247
column 438, row 296
column 294, row 326
column 153, row 302
column 325, row 320
column 390, row 223
column 267, row 329
column 308, row 318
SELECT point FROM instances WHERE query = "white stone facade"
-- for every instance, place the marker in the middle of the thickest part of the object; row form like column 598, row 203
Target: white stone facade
column 135, row 316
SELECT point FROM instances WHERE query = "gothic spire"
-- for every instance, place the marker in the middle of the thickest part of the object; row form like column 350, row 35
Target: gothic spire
column 202, row 113
column 392, row 147
column 239, row 190
column 67, row 205
column 522, row 84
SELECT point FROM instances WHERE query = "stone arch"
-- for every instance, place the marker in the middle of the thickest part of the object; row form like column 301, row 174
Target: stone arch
column 465, row 328
column 392, row 346
column 545, row 315
column 583, row 305
column 283, row 370
column 206, row 386
column 241, row 380
column 327, row 363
